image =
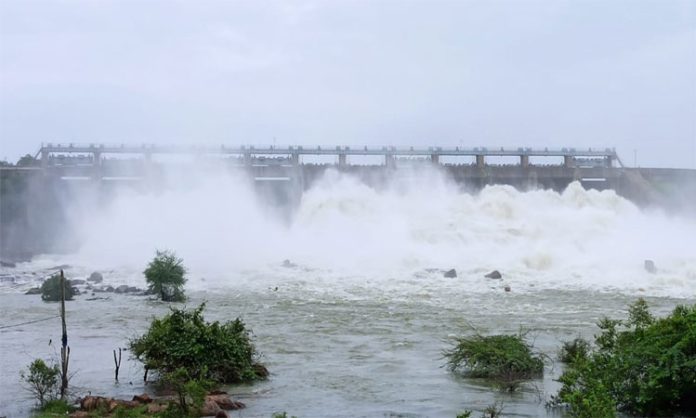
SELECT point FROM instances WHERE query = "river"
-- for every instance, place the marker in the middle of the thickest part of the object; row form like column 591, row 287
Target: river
column 356, row 323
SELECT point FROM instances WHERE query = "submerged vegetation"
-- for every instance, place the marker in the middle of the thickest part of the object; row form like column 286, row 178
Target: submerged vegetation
column 573, row 350
column 642, row 366
column 42, row 381
column 51, row 292
column 219, row 352
column 165, row 276
column 507, row 359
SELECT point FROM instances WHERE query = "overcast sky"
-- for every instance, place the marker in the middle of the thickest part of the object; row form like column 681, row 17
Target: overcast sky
column 471, row 73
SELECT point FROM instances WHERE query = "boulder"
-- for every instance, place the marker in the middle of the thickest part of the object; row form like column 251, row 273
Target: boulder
column 221, row 414
column 209, row 408
column 507, row 288
column 224, row 402
column 122, row 289
column 76, row 282
column 91, row 403
column 33, row 291
column 289, row 264
column 7, row 264
column 260, row 370
column 451, row 274
column 495, row 274
column 144, row 398
column 95, row 277
column 650, row 266
column 115, row 403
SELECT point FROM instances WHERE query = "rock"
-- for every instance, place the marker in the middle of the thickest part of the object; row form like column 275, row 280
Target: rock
column 650, row 266
column 33, row 291
column 76, row 282
column 7, row 264
column 221, row 414
column 121, row 289
column 115, row 403
column 90, row 403
column 144, row 398
column 217, row 392
column 260, row 370
column 289, row 264
column 451, row 274
column 507, row 288
column 108, row 289
column 495, row 274
column 95, row 277
column 224, row 402
column 209, row 408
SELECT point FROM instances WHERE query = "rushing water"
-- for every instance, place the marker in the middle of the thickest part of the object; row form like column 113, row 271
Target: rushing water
column 356, row 325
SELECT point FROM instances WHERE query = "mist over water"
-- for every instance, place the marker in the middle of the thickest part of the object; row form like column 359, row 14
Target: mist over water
column 346, row 232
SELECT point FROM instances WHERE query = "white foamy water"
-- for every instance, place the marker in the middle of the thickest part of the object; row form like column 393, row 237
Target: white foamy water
column 346, row 234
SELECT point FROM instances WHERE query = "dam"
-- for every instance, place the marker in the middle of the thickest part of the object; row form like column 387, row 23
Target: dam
column 293, row 169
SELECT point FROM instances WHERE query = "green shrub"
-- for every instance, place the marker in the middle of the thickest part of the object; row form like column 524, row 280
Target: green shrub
column 191, row 391
column 574, row 350
column 50, row 289
column 465, row 414
column 505, row 358
column 165, row 276
column 643, row 366
column 42, row 381
column 222, row 353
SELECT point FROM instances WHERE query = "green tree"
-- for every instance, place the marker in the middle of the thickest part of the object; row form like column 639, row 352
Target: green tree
column 50, row 289
column 27, row 161
column 182, row 340
column 165, row 276
column 643, row 366
column 42, row 381
column 507, row 359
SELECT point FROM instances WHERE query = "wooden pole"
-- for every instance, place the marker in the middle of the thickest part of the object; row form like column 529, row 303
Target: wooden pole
column 117, row 363
column 64, row 349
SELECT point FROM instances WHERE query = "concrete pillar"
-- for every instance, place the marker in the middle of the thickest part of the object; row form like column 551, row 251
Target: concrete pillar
column 342, row 161
column 568, row 161
column 435, row 159
column 295, row 159
column 480, row 161
column 44, row 158
column 389, row 160
column 247, row 159
column 96, row 165
column 524, row 161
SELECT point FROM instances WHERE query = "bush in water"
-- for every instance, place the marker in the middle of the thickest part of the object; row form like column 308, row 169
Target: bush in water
column 643, row 366
column 505, row 358
column 42, row 381
column 222, row 353
column 50, row 289
column 165, row 276
column 577, row 349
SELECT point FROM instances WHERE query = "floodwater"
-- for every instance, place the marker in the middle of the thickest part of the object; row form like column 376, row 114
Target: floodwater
column 357, row 323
